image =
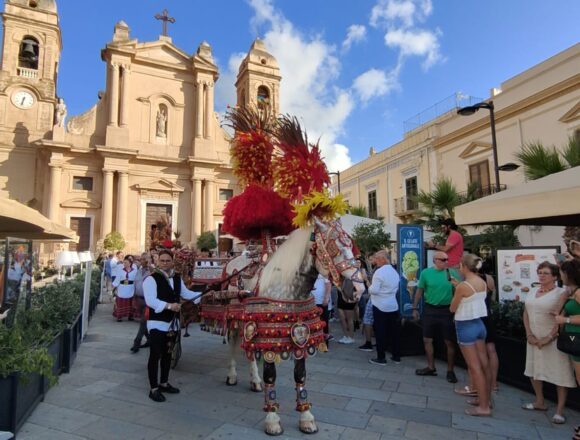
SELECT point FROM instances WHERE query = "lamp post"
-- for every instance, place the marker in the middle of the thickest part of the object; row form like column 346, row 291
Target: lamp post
column 337, row 174
column 470, row 110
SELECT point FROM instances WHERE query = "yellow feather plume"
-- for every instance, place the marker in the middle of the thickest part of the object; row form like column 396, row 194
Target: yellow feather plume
column 318, row 204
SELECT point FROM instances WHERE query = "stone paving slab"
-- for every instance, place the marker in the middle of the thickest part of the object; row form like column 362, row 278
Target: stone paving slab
column 105, row 397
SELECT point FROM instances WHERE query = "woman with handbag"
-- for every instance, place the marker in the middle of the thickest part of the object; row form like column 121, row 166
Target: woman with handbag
column 570, row 319
column 544, row 362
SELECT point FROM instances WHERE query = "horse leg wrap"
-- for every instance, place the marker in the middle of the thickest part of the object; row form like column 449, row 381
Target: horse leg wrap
column 270, row 404
column 302, row 403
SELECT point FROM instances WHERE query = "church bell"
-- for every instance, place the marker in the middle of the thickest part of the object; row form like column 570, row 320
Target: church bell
column 28, row 49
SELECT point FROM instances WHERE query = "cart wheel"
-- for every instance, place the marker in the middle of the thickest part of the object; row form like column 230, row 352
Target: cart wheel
column 176, row 354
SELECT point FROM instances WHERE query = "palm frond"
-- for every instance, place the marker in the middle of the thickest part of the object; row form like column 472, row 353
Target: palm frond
column 539, row 160
column 571, row 152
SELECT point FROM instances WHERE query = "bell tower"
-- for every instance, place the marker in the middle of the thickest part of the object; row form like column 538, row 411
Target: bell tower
column 258, row 81
column 30, row 57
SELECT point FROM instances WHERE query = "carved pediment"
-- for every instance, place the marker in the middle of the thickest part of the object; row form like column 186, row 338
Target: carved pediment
column 159, row 186
column 572, row 114
column 80, row 203
column 474, row 149
column 163, row 51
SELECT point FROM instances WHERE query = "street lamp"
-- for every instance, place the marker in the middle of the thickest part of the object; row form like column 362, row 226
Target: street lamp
column 337, row 174
column 470, row 110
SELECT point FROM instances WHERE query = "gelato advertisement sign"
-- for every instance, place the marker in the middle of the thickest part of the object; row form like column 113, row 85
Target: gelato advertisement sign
column 410, row 244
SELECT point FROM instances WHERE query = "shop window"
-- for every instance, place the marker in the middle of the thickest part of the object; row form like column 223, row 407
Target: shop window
column 82, row 183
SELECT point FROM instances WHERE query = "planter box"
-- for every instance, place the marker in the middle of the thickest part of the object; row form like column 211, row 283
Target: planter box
column 71, row 343
column 55, row 350
column 18, row 398
column 512, row 363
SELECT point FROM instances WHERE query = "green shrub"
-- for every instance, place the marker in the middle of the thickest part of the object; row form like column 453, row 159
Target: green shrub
column 508, row 318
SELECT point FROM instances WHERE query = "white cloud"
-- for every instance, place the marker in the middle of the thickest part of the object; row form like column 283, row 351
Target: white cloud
column 416, row 42
column 354, row 33
column 374, row 83
column 309, row 68
column 400, row 12
column 225, row 89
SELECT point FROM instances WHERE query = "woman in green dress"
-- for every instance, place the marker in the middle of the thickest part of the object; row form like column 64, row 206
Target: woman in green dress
column 570, row 316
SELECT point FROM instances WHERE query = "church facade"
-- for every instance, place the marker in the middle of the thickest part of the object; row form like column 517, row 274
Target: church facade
column 152, row 145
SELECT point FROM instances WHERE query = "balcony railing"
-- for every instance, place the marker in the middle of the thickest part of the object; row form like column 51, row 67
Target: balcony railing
column 25, row 72
column 405, row 205
column 482, row 191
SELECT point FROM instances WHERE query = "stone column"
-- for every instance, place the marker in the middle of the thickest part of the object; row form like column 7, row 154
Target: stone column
column 199, row 110
column 208, row 110
column 209, row 195
column 54, row 194
column 114, row 95
column 122, row 207
column 125, row 95
column 196, row 209
column 107, row 203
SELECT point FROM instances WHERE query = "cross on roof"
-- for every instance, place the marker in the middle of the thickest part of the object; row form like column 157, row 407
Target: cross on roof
column 165, row 18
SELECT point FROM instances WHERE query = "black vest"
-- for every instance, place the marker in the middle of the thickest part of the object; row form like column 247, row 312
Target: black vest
column 167, row 294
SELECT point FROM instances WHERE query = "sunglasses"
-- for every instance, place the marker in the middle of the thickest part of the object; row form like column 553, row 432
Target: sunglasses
column 443, row 259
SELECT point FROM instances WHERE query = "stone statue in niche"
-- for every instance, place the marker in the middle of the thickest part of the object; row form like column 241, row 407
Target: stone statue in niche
column 60, row 113
column 161, row 122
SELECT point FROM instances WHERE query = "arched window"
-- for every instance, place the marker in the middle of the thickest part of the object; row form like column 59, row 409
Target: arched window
column 263, row 97
column 242, row 98
column 28, row 54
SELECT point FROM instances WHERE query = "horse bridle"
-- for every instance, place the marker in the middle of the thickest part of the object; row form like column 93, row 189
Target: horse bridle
column 327, row 250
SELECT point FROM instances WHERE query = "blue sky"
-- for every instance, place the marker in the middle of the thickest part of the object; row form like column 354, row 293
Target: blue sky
column 355, row 92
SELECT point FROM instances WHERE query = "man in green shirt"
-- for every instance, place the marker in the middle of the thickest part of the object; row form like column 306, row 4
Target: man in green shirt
column 435, row 286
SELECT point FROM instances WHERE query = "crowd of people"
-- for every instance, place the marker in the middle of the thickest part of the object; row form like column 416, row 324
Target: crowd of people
column 456, row 296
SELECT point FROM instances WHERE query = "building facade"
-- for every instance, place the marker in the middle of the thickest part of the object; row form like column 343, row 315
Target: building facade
column 540, row 104
column 152, row 145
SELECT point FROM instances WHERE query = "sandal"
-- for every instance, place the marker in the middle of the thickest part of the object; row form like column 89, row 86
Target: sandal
column 475, row 402
column 475, row 413
column 557, row 419
column 426, row 372
column 531, row 407
column 466, row 391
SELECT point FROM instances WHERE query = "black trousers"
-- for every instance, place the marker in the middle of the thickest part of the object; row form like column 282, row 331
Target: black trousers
column 324, row 316
column 387, row 327
column 159, row 355
column 143, row 323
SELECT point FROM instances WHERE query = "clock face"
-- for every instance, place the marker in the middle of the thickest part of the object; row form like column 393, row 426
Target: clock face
column 22, row 99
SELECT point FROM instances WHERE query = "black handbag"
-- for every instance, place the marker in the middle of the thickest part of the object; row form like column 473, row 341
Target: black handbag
column 569, row 343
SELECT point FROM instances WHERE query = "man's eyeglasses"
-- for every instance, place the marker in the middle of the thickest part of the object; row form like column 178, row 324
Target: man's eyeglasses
column 443, row 259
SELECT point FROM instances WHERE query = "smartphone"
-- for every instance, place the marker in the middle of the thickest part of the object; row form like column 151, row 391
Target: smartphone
column 560, row 258
column 448, row 275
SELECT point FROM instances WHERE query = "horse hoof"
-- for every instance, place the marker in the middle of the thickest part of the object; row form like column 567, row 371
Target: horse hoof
column 275, row 432
column 310, row 428
column 231, row 383
column 256, row 387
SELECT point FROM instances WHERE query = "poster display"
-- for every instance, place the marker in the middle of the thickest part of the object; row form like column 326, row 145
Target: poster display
column 516, row 270
column 410, row 263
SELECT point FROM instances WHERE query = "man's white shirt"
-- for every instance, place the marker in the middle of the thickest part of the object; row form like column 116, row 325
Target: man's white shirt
column 384, row 289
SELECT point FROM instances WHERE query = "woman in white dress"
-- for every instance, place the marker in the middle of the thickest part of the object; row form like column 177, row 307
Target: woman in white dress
column 544, row 362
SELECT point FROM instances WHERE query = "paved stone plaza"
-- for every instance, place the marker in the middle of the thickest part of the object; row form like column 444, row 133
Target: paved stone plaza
column 105, row 397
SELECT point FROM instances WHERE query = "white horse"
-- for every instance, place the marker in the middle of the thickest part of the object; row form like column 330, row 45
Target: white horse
column 289, row 275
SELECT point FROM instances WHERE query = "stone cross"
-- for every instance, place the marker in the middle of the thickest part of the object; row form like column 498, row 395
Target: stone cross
column 165, row 18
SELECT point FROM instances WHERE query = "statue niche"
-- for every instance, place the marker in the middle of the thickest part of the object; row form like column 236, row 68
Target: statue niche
column 161, row 121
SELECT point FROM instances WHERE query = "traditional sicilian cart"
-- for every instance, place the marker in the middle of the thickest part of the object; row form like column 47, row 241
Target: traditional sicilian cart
column 267, row 307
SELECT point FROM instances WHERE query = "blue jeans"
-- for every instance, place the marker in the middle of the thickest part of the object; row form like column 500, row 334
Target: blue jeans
column 471, row 331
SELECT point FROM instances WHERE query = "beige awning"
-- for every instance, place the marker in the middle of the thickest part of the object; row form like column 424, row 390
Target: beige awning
column 20, row 221
column 552, row 200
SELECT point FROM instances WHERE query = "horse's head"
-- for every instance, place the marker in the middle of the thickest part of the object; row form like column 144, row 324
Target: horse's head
column 334, row 255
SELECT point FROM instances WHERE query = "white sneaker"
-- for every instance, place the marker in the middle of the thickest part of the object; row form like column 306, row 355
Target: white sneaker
column 344, row 340
column 349, row 341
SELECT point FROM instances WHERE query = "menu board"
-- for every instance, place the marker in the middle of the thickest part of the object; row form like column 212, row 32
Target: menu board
column 516, row 270
column 410, row 245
